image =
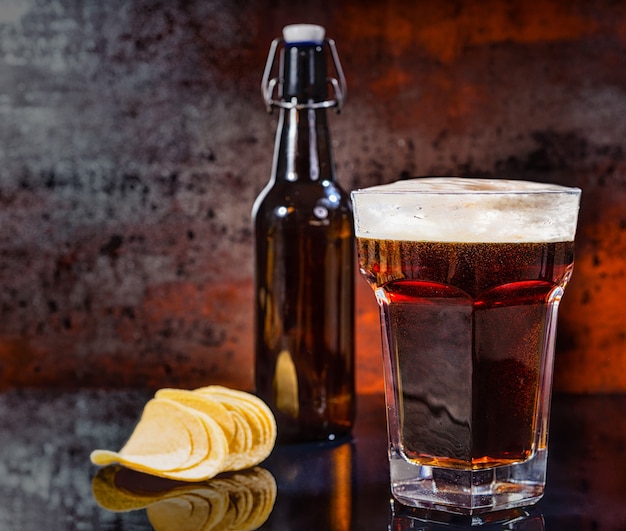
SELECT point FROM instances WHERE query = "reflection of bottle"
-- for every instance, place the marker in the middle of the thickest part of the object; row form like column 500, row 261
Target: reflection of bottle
column 304, row 298
column 325, row 473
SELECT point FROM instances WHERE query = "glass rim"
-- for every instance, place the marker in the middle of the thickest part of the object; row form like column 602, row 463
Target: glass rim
column 537, row 188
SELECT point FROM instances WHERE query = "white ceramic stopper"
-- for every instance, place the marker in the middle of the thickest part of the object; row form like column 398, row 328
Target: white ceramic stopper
column 304, row 33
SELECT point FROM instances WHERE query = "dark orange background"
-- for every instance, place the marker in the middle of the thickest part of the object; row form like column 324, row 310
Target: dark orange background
column 134, row 140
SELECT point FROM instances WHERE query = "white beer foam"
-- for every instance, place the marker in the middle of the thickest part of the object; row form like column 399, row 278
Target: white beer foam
column 462, row 209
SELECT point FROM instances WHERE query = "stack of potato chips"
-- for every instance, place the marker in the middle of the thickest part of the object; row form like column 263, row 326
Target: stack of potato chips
column 195, row 435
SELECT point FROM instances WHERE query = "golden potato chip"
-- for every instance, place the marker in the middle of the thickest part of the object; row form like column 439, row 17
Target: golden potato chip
column 214, row 460
column 194, row 435
column 240, row 445
column 172, row 441
column 168, row 436
column 256, row 450
column 258, row 415
column 211, row 407
column 253, row 416
column 247, row 398
column 235, row 425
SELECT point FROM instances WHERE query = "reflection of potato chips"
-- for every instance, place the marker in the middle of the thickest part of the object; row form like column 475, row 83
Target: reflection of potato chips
column 240, row 501
column 195, row 435
column 251, row 497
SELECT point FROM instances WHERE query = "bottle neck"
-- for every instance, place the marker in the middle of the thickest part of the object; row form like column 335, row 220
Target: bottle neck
column 303, row 73
column 303, row 151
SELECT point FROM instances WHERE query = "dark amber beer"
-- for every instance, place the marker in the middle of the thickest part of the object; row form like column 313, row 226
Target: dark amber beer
column 468, row 274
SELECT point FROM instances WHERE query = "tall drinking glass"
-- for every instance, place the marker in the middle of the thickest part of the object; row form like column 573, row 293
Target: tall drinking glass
column 468, row 274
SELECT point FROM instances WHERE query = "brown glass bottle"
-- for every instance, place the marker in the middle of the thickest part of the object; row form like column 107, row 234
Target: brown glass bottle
column 304, row 264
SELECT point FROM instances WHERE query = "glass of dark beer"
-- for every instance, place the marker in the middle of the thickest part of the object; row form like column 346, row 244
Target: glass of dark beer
column 468, row 274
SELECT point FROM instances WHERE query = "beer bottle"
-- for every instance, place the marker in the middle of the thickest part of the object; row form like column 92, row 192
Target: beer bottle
column 304, row 251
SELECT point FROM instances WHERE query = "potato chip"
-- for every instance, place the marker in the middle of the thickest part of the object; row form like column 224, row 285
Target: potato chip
column 214, row 460
column 244, row 397
column 236, row 426
column 257, row 444
column 258, row 415
column 173, row 441
column 168, row 436
column 211, row 407
column 195, row 435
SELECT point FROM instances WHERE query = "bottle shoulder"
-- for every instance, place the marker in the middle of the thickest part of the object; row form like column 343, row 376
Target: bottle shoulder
column 303, row 206
column 305, row 188
column 304, row 194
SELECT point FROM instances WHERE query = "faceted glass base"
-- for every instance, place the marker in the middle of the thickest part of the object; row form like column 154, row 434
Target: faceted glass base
column 468, row 492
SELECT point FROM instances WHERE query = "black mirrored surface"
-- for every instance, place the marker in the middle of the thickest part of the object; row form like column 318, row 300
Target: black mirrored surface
column 47, row 481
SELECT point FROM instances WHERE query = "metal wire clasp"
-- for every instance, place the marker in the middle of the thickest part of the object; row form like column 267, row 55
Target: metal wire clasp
column 268, row 85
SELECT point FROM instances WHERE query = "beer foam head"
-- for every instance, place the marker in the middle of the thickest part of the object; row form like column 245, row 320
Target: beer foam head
column 460, row 209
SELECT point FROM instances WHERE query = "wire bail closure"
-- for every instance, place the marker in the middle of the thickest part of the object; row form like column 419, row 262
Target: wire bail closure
column 268, row 86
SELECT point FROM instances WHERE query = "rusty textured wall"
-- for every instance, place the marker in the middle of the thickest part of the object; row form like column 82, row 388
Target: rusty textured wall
column 133, row 141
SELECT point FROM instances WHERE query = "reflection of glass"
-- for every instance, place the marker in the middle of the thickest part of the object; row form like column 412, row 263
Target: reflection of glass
column 239, row 501
column 468, row 274
column 408, row 519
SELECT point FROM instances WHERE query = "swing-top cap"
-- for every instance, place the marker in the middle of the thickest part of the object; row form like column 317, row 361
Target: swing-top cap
column 296, row 33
